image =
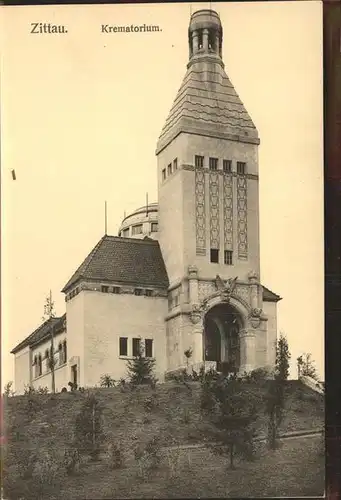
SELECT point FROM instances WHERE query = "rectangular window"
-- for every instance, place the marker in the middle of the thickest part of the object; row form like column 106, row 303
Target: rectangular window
column 136, row 347
column 213, row 163
column 149, row 348
column 116, row 289
column 241, row 167
column 104, row 289
column 169, row 169
column 148, row 293
column 175, row 164
column 227, row 166
column 137, row 229
column 164, row 174
column 154, row 227
column 137, row 291
column 214, row 255
column 123, row 346
column 199, row 161
column 228, row 257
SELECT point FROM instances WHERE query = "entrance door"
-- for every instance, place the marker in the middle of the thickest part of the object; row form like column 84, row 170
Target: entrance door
column 74, row 374
column 212, row 341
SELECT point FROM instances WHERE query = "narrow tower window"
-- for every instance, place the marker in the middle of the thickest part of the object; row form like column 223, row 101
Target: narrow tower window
column 213, row 163
column 169, row 169
column 200, row 39
column 227, row 166
column 215, row 255
column 241, row 167
column 228, row 257
column 199, row 161
column 175, row 164
column 211, row 40
column 164, row 174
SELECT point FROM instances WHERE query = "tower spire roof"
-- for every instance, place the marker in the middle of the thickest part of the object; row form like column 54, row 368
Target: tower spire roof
column 206, row 102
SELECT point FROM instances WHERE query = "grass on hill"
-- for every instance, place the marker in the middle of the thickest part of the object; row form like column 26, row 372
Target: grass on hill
column 171, row 414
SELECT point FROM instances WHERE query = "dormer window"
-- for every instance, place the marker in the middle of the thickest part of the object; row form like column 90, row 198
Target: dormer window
column 104, row 289
column 137, row 291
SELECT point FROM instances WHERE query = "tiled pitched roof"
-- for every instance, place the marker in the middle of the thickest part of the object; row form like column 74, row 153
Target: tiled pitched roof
column 207, row 99
column 270, row 296
column 41, row 333
column 123, row 260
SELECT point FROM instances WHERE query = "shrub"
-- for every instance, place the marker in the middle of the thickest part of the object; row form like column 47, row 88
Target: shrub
column 107, row 381
column 140, row 369
column 115, row 456
column 73, row 386
column 72, row 460
column 186, row 417
column 260, row 374
column 8, row 390
column 42, row 390
column 150, row 403
column 148, row 457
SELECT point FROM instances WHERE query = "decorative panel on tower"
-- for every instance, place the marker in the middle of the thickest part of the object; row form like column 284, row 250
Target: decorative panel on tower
column 228, row 211
column 214, row 210
column 200, row 211
column 242, row 216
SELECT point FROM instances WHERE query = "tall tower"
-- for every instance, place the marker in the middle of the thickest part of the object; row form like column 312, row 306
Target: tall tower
column 208, row 167
column 207, row 160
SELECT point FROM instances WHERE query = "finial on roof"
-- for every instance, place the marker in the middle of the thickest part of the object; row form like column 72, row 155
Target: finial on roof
column 205, row 34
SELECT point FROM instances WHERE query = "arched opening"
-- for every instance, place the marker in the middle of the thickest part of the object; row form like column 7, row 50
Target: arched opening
column 222, row 325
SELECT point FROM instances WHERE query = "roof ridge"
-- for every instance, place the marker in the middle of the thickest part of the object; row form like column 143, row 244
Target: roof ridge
column 139, row 241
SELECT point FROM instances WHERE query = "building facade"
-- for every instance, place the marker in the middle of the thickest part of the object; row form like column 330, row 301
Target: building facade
column 184, row 273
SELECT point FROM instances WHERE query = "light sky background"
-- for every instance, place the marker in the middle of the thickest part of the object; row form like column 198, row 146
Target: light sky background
column 81, row 114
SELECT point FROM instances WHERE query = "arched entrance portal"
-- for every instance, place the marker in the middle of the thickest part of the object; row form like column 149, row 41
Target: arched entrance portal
column 222, row 325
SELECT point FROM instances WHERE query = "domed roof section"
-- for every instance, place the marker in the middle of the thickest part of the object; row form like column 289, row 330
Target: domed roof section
column 140, row 223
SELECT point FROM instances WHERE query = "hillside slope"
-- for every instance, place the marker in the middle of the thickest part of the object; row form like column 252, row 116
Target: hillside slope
column 170, row 411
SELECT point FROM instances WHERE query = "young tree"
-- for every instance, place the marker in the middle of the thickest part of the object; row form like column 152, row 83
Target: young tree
column 232, row 416
column 282, row 358
column 49, row 314
column 306, row 366
column 140, row 369
column 8, row 389
column 88, row 428
column 275, row 402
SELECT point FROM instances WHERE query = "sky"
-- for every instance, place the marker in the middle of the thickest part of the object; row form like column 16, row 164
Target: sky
column 81, row 113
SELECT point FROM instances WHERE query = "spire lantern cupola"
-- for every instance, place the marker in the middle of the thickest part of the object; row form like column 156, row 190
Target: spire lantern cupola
column 205, row 37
